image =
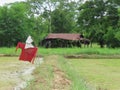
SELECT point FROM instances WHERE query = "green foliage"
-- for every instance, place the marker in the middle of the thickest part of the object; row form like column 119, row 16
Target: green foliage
column 40, row 17
column 39, row 30
column 16, row 25
column 112, row 38
column 61, row 21
column 117, row 36
column 12, row 25
column 96, row 16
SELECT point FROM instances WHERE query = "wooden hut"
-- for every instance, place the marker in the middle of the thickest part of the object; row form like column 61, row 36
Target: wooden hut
column 62, row 40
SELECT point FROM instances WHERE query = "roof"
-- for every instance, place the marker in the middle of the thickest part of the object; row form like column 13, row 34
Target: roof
column 65, row 36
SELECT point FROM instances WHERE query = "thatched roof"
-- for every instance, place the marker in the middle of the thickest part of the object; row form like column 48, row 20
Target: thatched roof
column 65, row 36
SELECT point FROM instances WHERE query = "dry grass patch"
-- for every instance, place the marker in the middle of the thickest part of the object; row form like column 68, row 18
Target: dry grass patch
column 11, row 70
column 49, row 76
column 60, row 81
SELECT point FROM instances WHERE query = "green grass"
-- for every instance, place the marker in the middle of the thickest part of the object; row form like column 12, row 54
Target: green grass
column 43, row 75
column 5, row 50
column 83, row 73
column 77, row 81
column 66, row 51
column 98, row 73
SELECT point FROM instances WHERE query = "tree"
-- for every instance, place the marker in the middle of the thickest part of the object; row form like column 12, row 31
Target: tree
column 61, row 21
column 13, row 24
column 63, row 18
column 98, row 15
column 43, row 7
column 112, row 38
column 48, row 9
column 39, row 30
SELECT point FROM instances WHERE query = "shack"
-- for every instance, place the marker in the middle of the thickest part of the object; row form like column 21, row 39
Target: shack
column 63, row 40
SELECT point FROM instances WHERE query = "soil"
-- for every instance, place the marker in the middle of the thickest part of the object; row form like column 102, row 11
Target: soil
column 92, row 56
column 60, row 81
column 15, row 75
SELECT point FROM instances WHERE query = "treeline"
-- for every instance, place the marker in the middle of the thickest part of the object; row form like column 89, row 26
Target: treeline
column 98, row 20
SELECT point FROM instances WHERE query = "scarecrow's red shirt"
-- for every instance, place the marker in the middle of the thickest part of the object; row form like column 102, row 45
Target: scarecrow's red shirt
column 27, row 54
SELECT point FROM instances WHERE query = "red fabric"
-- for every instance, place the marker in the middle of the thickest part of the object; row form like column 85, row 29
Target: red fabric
column 28, row 54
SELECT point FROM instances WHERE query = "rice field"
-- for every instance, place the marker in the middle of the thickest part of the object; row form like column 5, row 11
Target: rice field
column 79, row 74
column 88, row 69
column 98, row 74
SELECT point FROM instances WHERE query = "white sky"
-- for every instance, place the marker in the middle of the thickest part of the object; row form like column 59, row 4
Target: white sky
column 2, row 2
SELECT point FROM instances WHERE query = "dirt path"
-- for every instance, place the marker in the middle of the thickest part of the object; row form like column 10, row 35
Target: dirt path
column 49, row 76
column 60, row 81
column 15, row 74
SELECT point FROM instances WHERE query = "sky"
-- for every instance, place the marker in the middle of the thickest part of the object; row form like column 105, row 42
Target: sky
column 2, row 2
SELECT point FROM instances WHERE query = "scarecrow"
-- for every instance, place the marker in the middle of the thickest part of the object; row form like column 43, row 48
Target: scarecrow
column 28, row 51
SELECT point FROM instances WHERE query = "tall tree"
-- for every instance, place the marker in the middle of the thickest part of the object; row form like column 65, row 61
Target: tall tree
column 48, row 9
column 94, row 17
column 45, row 7
column 12, row 24
column 63, row 17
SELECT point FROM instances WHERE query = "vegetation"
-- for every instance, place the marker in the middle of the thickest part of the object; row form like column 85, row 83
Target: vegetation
column 66, row 51
column 97, row 20
column 11, row 71
column 56, row 75
column 100, row 19
column 99, row 74
column 77, row 74
column 83, row 73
